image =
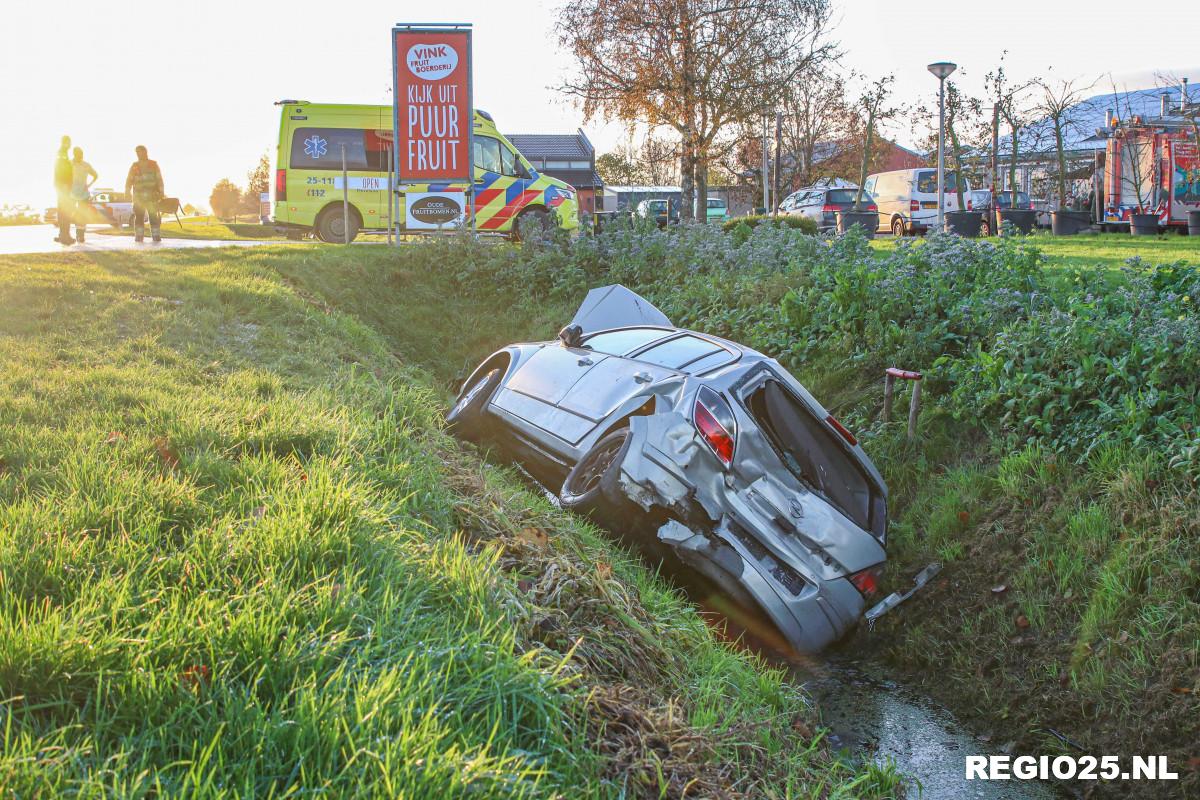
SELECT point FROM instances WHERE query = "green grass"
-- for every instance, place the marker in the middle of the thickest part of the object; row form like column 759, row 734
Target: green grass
column 1106, row 252
column 239, row 557
column 204, row 228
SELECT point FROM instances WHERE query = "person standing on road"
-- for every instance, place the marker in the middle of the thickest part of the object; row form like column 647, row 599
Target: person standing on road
column 145, row 183
column 83, row 176
column 63, row 179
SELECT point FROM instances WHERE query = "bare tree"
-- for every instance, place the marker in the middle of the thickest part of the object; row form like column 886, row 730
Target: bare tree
column 816, row 122
column 694, row 66
column 1055, row 102
column 872, row 104
column 1132, row 150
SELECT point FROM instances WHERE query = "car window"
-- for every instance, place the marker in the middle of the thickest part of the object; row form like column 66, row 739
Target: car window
column 709, row 362
column 716, row 203
column 870, row 184
column 845, row 195
column 620, row 342
column 927, row 181
column 487, row 154
column 678, row 353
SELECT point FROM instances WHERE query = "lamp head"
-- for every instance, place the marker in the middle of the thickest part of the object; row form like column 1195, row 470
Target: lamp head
column 942, row 69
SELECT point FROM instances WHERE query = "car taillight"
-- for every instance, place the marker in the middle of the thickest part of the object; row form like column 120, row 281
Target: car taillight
column 867, row 581
column 970, row 205
column 280, row 185
column 829, row 208
column 872, row 207
column 837, row 426
column 913, row 205
column 714, row 420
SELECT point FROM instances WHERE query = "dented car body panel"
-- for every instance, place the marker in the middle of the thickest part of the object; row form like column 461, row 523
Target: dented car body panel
column 737, row 469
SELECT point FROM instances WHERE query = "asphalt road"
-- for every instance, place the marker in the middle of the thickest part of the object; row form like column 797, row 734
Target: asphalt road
column 20, row 239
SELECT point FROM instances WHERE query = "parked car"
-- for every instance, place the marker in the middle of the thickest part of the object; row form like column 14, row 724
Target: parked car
column 115, row 208
column 662, row 212
column 718, row 210
column 908, row 198
column 708, row 454
column 821, row 204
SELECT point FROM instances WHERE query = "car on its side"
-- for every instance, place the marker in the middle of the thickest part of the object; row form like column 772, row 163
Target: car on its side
column 707, row 454
column 821, row 204
column 908, row 198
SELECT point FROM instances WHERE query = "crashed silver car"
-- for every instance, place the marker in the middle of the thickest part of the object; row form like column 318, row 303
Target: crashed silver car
column 712, row 451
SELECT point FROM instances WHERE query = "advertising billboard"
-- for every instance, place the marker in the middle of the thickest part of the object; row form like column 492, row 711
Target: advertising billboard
column 432, row 103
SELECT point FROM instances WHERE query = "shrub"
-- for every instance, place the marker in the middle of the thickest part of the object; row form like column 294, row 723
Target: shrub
column 803, row 224
column 1063, row 364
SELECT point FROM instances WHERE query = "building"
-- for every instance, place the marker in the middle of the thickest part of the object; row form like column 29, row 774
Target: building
column 569, row 157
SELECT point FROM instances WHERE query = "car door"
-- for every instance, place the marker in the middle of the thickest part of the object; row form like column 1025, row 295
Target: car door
column 534, row 391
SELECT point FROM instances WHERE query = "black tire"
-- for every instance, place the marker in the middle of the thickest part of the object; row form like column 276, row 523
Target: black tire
column 467, row 418
column 536, row 219
column 329, row 225
column 591, row 487
column 898, row 227
column 985, row 227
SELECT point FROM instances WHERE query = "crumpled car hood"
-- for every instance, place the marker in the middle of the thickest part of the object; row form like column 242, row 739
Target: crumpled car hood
column 617, row 307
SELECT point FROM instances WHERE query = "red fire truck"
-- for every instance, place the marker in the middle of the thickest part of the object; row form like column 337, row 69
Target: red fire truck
column 1152, row 167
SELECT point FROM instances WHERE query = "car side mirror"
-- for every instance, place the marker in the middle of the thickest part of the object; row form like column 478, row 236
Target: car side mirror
column 571, row 336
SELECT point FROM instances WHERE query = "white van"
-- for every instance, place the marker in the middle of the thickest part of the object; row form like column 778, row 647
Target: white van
column 907, row 198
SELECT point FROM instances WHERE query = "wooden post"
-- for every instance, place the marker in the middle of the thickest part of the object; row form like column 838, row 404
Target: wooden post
column 889, row 389
column 914, row 408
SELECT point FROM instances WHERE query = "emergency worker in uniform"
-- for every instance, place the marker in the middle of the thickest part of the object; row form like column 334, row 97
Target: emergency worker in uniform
column 145, row 183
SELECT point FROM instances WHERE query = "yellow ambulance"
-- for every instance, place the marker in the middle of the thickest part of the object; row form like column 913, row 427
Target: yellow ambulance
column 308, row 177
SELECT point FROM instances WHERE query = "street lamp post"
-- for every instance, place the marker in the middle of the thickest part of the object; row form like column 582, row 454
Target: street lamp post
column 942, row 70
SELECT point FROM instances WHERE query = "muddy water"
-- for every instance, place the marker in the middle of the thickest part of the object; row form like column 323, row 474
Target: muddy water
column 874, row 717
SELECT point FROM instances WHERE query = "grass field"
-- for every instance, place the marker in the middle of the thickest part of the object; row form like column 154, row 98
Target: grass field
column 1107, row 252
column 204, row 228
column 239, row 558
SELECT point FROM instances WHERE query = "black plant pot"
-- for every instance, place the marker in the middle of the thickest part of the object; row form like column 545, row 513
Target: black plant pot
column 867, row 220
column 964, row 223
column 1069, row 223
column 1194, row 223
column 1143, row 224
column 1023, row 218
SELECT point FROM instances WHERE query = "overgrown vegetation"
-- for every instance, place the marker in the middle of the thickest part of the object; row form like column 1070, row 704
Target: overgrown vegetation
column 238, row 557
column 1055, row 472
column 743, row 225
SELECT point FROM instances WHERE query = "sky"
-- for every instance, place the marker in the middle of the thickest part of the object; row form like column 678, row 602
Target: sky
column 196, row 82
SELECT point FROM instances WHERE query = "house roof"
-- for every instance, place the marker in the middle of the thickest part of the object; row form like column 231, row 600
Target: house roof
column 565, row 146
column 1085, row 117
column 579, row 178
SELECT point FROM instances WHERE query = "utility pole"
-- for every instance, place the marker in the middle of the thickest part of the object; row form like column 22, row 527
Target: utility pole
column 345, row 200
column 942, row 70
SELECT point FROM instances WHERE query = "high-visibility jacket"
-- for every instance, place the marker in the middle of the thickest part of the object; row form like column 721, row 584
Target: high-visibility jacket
column 145, row 180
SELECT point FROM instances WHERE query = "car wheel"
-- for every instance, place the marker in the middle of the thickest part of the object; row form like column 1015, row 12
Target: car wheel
column 531, row 221
column 330, row 226
column 466, row 418
column 898, row 227
column 591, row 485
column 985, row 228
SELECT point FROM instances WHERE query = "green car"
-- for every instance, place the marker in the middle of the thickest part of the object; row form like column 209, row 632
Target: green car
column 718, row 210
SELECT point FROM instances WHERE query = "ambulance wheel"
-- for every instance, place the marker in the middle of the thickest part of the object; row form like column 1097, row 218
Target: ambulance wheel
column 330, row 226
column 531, row 219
